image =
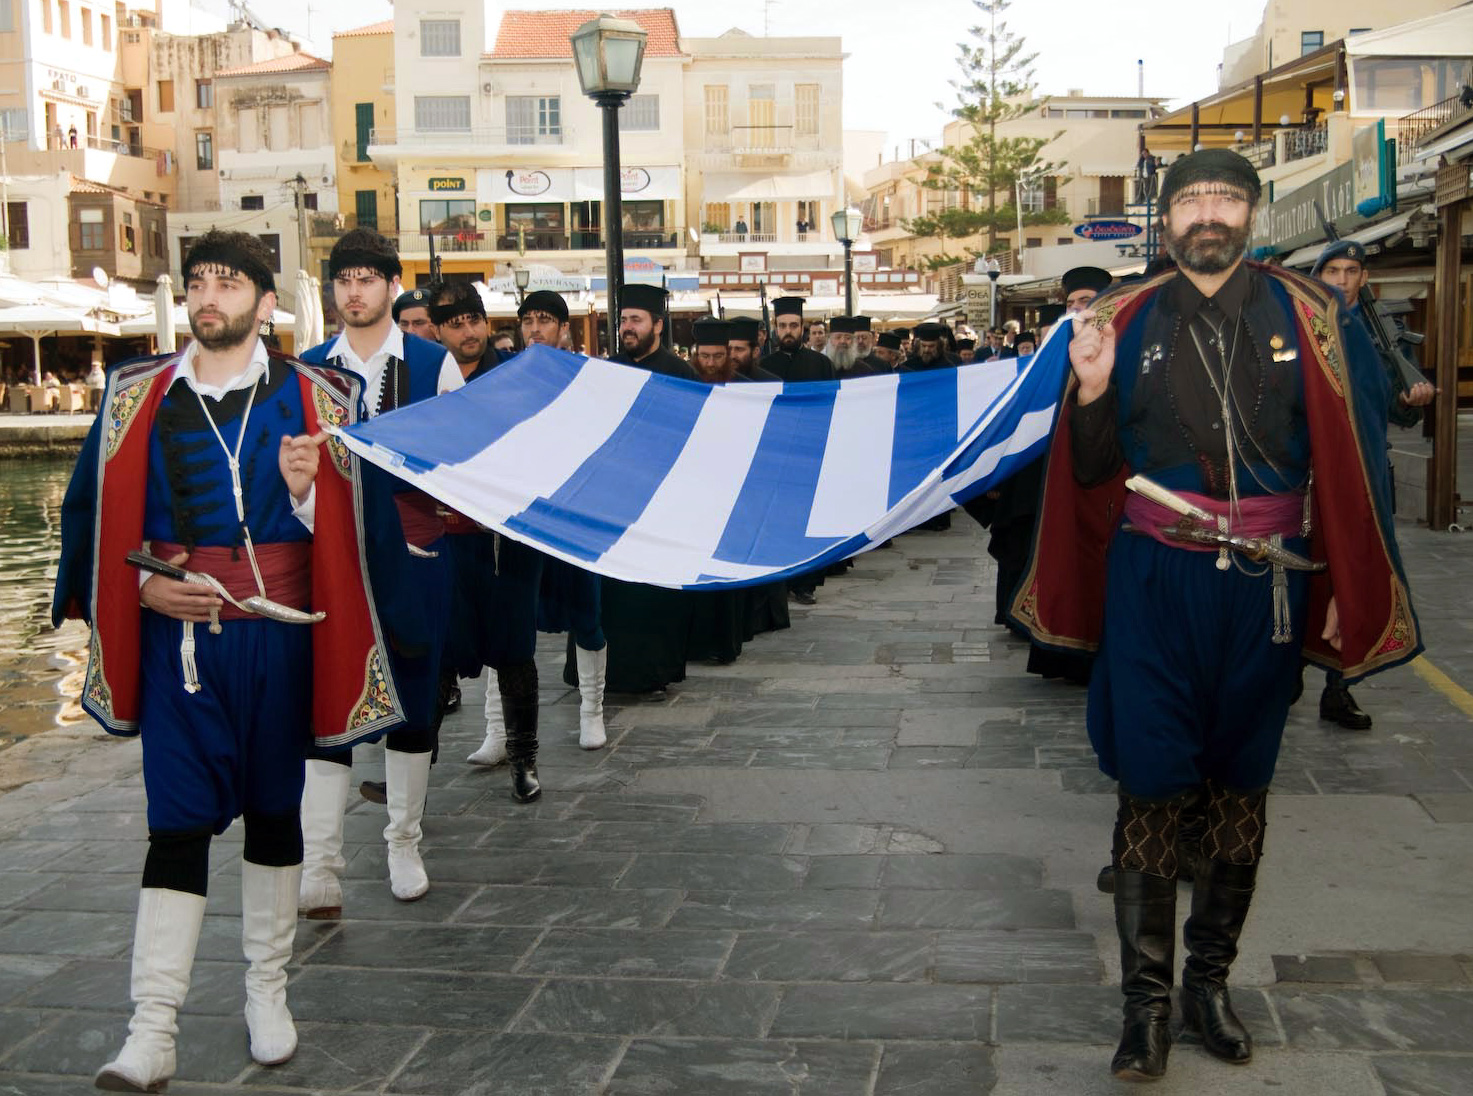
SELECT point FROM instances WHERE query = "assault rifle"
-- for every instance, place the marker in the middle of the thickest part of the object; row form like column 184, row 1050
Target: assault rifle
column 767, row 347
column 1403, row 372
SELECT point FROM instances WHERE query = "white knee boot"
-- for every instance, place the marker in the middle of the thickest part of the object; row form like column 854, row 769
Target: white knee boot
column 164, row 942
column 268, row 915
column 408, row 778
column 593, row 670
column 493, row 750
column 324, row 799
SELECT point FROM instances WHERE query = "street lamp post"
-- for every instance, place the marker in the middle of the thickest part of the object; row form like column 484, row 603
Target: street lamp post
column 523, row 278
column 608, row 53
column 994, row 268
column 847, row 223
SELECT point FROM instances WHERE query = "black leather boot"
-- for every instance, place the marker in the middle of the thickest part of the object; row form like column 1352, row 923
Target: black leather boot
column 1220, row 900
column 1145, row 917
column 1338, row 706
column 519, row 702
column 1189, row 836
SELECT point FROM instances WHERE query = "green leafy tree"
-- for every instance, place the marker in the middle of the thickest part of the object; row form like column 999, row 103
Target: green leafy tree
column 995, row 87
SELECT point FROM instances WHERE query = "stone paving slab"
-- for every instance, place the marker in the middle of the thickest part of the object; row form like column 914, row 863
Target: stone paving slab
column 859, row 861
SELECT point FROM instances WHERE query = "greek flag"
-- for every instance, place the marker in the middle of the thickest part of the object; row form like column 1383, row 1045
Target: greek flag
column 670, row 482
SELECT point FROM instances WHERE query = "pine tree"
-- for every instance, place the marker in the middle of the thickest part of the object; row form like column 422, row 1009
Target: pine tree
column 996, row 86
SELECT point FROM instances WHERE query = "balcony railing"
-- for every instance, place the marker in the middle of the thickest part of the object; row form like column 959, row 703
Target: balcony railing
column 1260, row 154
column 471, row 138
column 1412, row 128
column 477, row 240
column 1300, row 144
column 770, row 140
column 117, row 146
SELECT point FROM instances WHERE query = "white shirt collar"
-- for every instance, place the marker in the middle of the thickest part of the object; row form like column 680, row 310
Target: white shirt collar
column 260, row 362
column 393, row 347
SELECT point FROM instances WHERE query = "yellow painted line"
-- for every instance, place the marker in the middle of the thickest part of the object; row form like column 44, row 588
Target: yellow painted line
column 1457, row 696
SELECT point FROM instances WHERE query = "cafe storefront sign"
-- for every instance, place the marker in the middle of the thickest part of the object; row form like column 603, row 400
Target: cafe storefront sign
column 1349, row 194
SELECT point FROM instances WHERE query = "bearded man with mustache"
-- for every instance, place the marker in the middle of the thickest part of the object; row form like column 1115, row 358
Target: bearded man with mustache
column 1243, row 389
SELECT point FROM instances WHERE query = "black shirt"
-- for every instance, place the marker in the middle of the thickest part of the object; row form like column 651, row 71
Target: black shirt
column 802, row 364
column 660, row 361
column 1190, row 348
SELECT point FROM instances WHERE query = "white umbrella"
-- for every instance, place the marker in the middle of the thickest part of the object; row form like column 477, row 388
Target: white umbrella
column 36, row 321
column 163, row 310
column 307, row 330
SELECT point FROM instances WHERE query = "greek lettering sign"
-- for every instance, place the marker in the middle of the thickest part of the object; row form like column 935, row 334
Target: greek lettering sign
column 446, row 183
column 977, row 299
column 1107, row 230
column 1349, row 193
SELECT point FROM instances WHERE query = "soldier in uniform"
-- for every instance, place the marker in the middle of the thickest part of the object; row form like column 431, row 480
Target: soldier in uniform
column 412, row 314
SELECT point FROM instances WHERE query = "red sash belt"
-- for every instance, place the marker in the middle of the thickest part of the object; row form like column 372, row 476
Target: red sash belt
column 286, row 569
column 1258, row 516
column 421, row 517
column 457, row 524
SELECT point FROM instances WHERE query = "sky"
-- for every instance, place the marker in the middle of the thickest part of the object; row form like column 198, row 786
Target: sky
column 899, row 66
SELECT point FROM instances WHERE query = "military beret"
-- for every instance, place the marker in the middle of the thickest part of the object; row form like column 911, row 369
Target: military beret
column 1211, row 165
column 1340, row 249
column 414, row 298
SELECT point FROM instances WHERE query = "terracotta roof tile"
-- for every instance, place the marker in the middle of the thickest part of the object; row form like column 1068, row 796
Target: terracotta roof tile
column 292, row 62
column 386, row 27
column 547, row 33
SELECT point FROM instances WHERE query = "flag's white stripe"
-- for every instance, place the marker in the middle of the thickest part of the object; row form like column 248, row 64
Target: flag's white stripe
column 1032, row 427
column 535, row 458
column 854, row 480
column 977, row 385
column 688, row 514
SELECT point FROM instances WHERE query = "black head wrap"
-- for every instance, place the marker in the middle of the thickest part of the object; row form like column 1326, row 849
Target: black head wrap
column 455, row 299
column 238, row 251
column 364, row 249
column 1211, row 165
column 545, row 300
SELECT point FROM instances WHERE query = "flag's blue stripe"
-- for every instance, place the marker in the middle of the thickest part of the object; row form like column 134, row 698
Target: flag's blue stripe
column 925, row 428
column 769, row 521
column 608, row 492
column 452, row 428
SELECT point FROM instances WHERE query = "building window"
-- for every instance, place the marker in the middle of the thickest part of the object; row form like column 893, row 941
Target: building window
column 1033, row 241
column 204, row 150
column 718, row 118
column 247, row 129
column 105, row 39
column 309, row 200
column 272, row 241
column 166, row 96
column 7, row 15
column 85, row 15
column 1310, row 40
column 15, row 124
column 309, row 125
column 439, row 37
column 640, row 114
column 278, row 128
column 64, row 17
column 252, row 201
column 185, row 243
column 1127, row 114
column 92, row 236
column 204, row 94
column 447, row 216
column 127, row 236
column 365, row 208
column 646, row 216
column 534, row 120
column 1401, row 85
column 805, row 109
column 18, row 222
column 155, row 242
column 1357, row 30
column 540, row 222
column 46, row 16
column 363, row 123
column 442, row 113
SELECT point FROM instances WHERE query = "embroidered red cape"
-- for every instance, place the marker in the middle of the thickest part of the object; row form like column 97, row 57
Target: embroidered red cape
column 1062, row 596
column 353, row 693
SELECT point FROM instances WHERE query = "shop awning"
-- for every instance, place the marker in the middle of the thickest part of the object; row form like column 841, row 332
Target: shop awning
column 733, row 187
column 637, row 184
column 1306, row 256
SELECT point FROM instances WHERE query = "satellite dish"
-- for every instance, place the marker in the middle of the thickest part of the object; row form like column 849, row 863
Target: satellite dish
column 100, row 276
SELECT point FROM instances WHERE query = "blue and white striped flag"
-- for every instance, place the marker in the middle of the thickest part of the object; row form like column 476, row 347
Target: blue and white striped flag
column 670, row 482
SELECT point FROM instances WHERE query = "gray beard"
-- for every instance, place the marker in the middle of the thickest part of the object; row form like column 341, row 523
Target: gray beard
column 842, row 357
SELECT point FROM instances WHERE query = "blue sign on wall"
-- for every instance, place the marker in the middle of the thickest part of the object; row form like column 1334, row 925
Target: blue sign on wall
column 1107, row 230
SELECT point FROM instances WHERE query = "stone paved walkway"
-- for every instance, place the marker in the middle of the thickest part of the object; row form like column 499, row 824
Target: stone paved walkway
column 858, row 862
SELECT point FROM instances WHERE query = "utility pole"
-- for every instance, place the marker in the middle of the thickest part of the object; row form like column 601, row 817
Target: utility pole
column 4, row 184
column 299, row 187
